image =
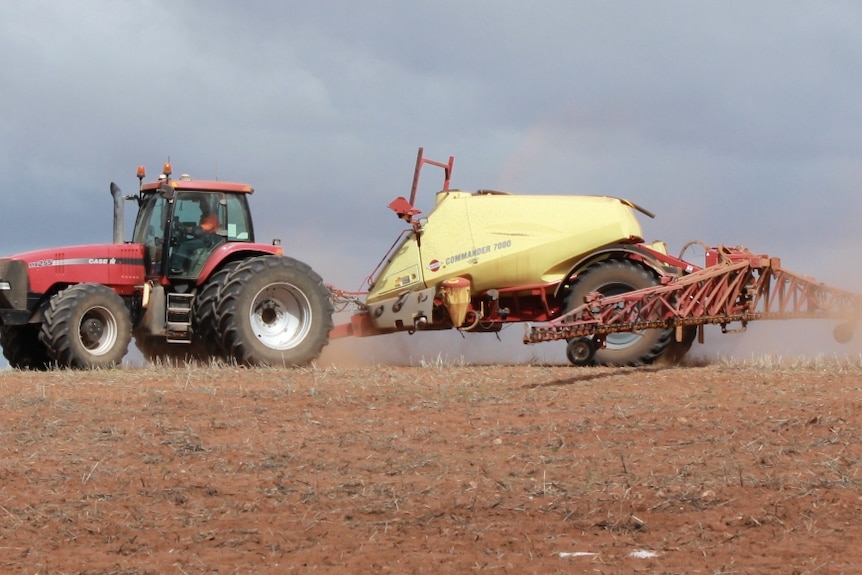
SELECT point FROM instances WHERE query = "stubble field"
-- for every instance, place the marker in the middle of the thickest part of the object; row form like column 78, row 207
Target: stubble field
column 744, row 467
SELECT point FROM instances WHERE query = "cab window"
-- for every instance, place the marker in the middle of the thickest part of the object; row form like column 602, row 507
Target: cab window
column 238, row 224
column 150, row 231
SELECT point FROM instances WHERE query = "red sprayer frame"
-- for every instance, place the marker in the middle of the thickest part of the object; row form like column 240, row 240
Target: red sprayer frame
column 421, row 160
column 736, row 286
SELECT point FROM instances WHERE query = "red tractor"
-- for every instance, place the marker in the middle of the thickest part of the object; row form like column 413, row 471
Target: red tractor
column 192, row 284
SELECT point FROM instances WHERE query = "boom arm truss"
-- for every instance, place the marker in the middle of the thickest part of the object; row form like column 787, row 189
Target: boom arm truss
column 736, row 286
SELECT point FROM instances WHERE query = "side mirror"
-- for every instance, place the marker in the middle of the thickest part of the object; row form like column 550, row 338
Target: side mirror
column 167, row 191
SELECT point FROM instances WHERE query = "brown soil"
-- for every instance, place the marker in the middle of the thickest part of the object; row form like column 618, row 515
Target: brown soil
column 728, row 468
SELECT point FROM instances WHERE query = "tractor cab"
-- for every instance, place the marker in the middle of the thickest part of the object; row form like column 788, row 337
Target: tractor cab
column 182, row 222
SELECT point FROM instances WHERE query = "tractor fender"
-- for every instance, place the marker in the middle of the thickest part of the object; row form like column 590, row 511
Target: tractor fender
column 650, row 257
column 37, row 311
column 234, row 251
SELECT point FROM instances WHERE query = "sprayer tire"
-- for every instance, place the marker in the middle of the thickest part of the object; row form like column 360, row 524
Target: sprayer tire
column 87, row 326
column 21, row 346
column 274, row 311
column 613, row 277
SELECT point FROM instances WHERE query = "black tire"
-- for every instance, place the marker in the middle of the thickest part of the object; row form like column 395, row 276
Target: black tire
column 204, row 313
column 581, row 351
column 21, row 346
column 613, row 277
column 87, row 326
column 274, row 311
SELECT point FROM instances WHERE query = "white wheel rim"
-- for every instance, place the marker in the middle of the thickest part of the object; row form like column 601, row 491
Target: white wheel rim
column 280, row 316
column 98, row 330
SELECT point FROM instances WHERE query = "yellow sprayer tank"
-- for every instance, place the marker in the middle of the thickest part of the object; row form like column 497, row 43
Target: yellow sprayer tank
column 499, row 240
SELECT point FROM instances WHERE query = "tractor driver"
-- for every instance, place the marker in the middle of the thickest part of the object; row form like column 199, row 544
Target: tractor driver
column 193, row 246
column 209, row 223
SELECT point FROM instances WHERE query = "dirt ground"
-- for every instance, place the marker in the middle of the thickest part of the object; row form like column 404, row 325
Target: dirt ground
column 748, row 467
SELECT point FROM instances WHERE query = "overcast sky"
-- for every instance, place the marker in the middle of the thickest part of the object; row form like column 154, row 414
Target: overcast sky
column 736, row 122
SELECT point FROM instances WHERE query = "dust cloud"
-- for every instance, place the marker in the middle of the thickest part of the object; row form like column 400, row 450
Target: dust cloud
column 448, row 347
column 785, row 339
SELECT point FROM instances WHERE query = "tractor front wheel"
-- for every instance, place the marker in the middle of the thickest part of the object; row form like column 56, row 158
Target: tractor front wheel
column 614, row 277
column 87, row 326
column 21, row 346
column 274, row 311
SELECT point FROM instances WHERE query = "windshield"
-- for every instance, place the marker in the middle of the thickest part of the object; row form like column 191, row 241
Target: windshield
column 150, row 231
column 196, row 223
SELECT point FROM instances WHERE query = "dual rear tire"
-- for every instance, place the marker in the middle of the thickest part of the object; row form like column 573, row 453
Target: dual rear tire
column 264, row 311
column 273, row 311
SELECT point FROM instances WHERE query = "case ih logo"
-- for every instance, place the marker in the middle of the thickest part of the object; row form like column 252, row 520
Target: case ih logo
column 434, row 265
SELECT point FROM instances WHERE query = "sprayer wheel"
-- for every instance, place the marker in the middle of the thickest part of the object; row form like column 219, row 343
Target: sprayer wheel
column 580, row 351
column 614, row 277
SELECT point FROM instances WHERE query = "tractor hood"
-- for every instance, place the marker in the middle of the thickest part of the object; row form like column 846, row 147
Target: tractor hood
column 108, row 264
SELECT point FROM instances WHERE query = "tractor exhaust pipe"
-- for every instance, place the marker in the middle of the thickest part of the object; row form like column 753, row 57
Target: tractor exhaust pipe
column 119, row 217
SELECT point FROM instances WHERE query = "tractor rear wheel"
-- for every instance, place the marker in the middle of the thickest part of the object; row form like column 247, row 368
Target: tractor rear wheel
column 274, row 311
column 613, row 277
column 21, row 346
column 87, row 326
column 204, row 314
